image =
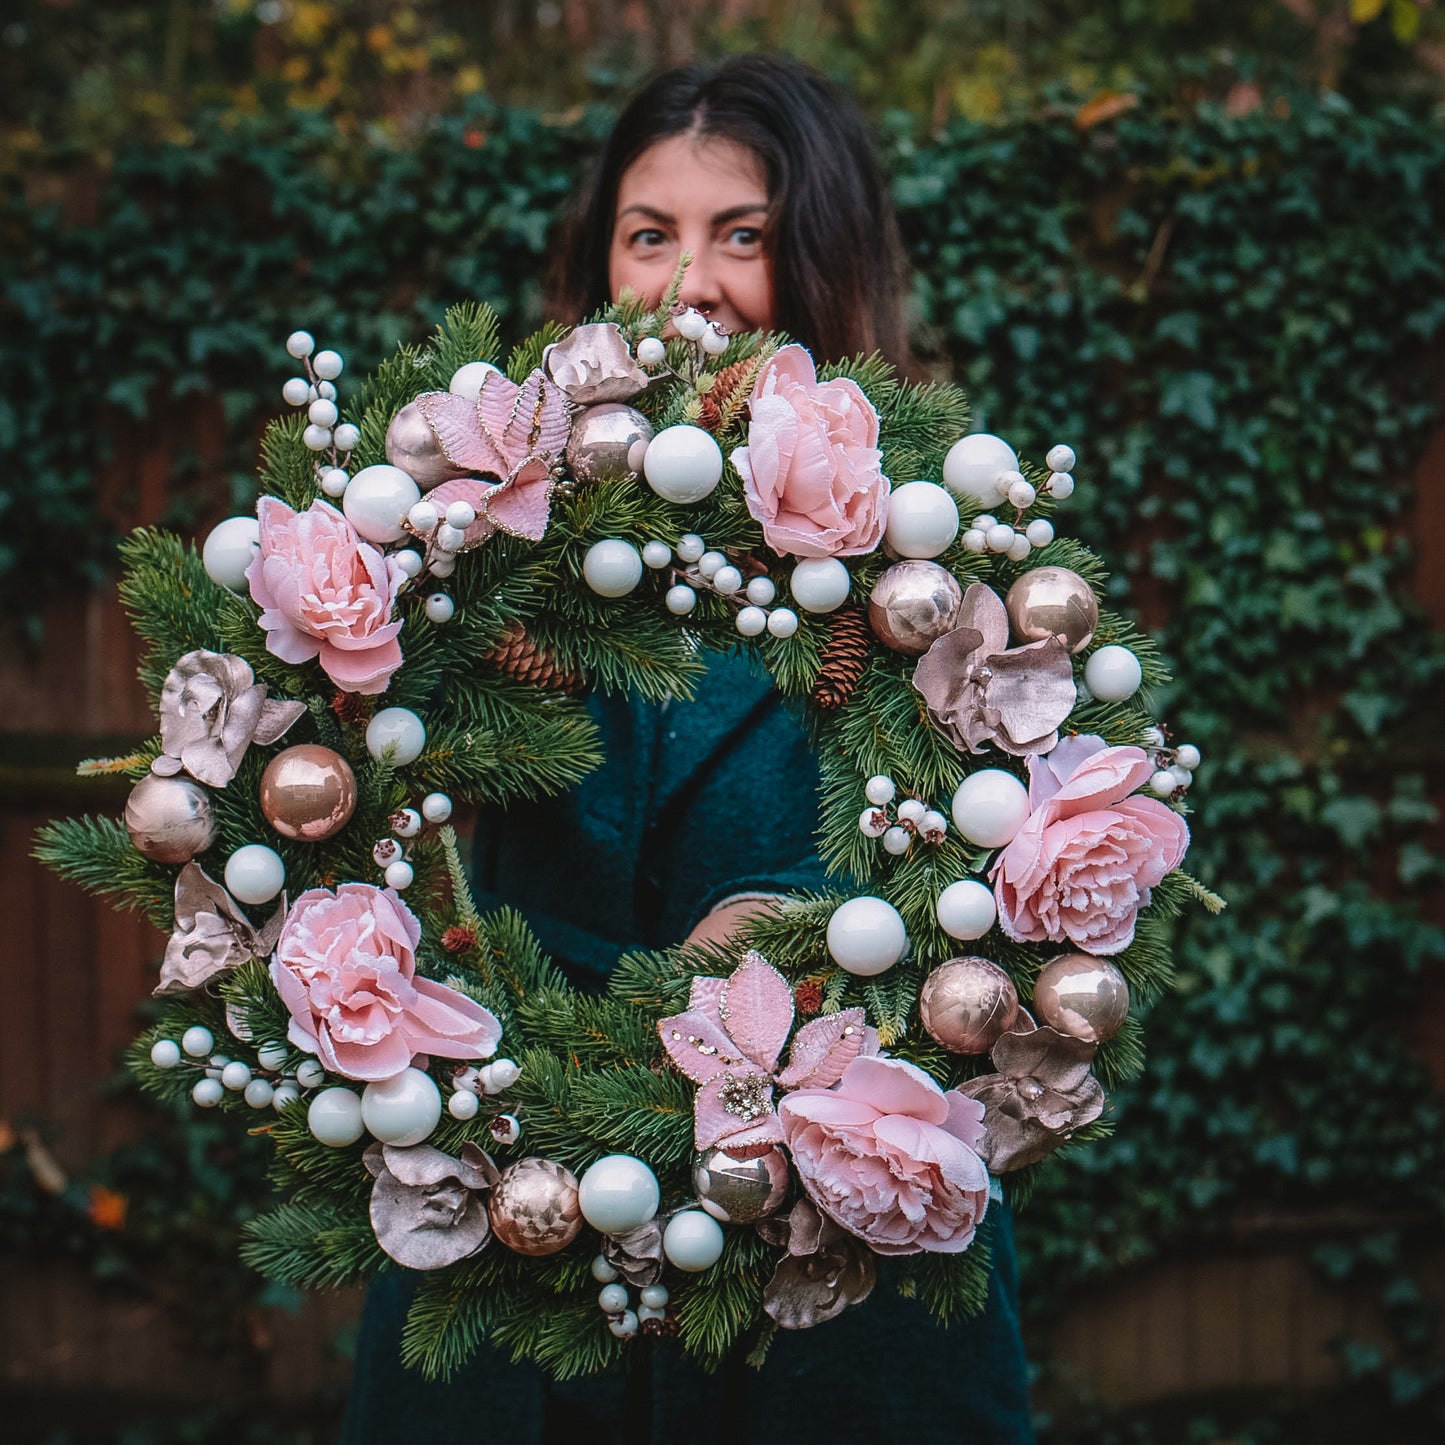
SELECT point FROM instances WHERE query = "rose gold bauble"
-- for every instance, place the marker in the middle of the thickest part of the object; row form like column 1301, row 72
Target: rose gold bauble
column 1083, row 996
column 534, row 1208
column 412, row 445
column 606, row 442
column 169, row 819
column 913, row 604
column 739, row 1191
column 308, row 793
column 968, row 1004
column 1053, row 602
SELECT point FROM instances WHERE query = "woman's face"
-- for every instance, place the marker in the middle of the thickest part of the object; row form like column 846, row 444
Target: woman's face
column 708, row 196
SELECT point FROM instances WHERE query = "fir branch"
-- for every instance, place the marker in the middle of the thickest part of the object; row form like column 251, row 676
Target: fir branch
column 97, row 853
column 468, row 332
column 312, row 1245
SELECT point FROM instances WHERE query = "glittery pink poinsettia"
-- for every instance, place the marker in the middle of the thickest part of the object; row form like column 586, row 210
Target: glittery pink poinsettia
column 516, row 434
column 729, row 1043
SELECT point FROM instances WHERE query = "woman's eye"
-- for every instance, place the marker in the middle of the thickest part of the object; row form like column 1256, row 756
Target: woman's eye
column 648, row 236
column 745, row 237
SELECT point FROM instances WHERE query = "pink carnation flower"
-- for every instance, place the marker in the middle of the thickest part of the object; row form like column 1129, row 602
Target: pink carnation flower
column 325, row 593
column 891, row 1157
column 345, row 966
column 812, row 472
column 1083, row 864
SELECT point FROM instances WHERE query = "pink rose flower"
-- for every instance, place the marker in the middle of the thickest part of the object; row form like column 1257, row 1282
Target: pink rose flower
column 325, row 593
column 812, row 472
column 1083, row 864
column 891, row 1157
column 345, row 966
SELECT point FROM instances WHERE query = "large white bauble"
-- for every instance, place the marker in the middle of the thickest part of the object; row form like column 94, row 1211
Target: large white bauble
column 922, row 520
column 683, row 464
column 820, row 584
column 990, row 807
column 255, row 873
column 966, row 909
column 618, row 1193
column 334, row 1117
column 399, row 728
column 401, row 1110
column 612, row 568
column 1113, row 674
column 866, row 936
column 693, row 1240
column 467, row 380
column 229, row 549
column 973, row 464
column 377, row 500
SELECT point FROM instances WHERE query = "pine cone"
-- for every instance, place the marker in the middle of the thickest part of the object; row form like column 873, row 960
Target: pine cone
column 725, row 383
column 844, row 658
column 519, row 657
column 352, row 708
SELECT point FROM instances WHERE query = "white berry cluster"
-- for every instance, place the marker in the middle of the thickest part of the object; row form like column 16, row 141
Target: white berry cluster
column 443, row 534
column 270, row 1082
column 469, row 1085
column 1017, row 538
column 316, row 391
column 614, row 1300
column 393, row 856
column 1173, row 766
column 704, row 570
column 911, row 819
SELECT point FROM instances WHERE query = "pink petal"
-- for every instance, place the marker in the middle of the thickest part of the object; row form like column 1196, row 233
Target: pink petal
column 698, row 1045
column 474, row 494
column 460, row 425
column 365, row 672
column 521, row 506
column 713, row 1123
column 384, row 1059
column 824, row 1106
column 443, row 1021
column 822, row 1049
column 893, row 1086
column 757, row 1009
column 965, row 1118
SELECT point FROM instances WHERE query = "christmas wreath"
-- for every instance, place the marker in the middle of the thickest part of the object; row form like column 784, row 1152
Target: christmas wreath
column 722, row 1144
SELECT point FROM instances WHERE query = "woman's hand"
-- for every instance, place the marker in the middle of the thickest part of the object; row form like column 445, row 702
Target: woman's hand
column 728, row 917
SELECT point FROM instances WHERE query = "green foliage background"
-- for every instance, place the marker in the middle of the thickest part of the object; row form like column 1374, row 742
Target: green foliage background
column 1237, row 323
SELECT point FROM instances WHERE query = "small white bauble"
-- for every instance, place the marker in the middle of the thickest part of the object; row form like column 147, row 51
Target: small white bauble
column 752, row 621
column 651, row 351
column 782, row 622
column 990, row 807
column 236, row 1075
column 397, row 733
column 165, row 1053
column 714, row 342
column 710, row 563
column 680, row 600
column 198, row 1041
column 690, row 324
column 424, row 517
column 1182, row 776
column 449, row 538
column 377, row 501
column 310, row 1073
column 327, row 365
column 972, row 466
column 618, row 1193
column 254, row 873
column 1061, row 485
column 656, row 555
column 436, row 807
column 1060, row 459
column 612, row 568
column 1000, row 537
column 400, row 875
column 866, row 936
column 650, row 1312
column 1019, row 548
column 872, row 822
column 1113, row 674
column 463, row 1105
column 461, row 514
column 333, row 1116
column 974, row 541
column 440, row 608
column 285, row 1093
column 326, row 389
column 933, row 826
column 506, row 1128
column 1187, row 756
column 403, row 1109
column 406, row 823
column 922, row 520
column 692, row 1241
column 1022, row 495
column 602, row 1271
column 879, row 789
column 297, row 391
column 612, row 1298
column 322, row 412
column 625, row 1325
column 820, row 584
column 259, row 1093
column 1153, row 737
column 966, row 909
column 468, row 380
column 761, row 591
column 683, row 464
column 317, row 438
column 208, row 1093
column 230, row 548
column 911, row 810
column 896, row 841
column 442, row 565
column 690, row 547
column 334, row 482
column 300, row 343
column 655, row 1296
column 1040, row 532
column 499, row 1075
column 984, row 521
column 273, row 1057
column 1162, row 783
column 727, row 580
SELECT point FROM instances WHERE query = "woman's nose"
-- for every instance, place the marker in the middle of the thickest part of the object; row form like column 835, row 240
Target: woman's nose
column 699, row 285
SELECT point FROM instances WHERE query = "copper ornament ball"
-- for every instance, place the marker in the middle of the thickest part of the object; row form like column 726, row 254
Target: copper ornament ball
column 1083, row 996
column 968, row 1004
column 1053, row 602
column 308, row 793
column 412, row 445
column 739, row 1191
column 533, row 1207
column 607, row 442
column 913, row 604
column 169, row 819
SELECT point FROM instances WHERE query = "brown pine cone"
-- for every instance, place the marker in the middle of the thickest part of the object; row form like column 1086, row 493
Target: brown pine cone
column 844, row 658
column 722, row 398
column 352, row 708
column 519, row 657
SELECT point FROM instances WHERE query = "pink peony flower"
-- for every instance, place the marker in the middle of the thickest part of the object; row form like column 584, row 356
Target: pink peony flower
column 325, row 593
column 812, row 472
column 345, row 967
column 891, row 1157
column 1083, row 864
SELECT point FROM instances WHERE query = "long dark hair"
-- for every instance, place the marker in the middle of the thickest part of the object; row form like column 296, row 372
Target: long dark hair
column 837, row 264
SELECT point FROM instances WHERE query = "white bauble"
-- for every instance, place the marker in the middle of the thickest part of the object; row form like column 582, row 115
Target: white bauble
column 651, row 351
column 1187, row 756
column 310, row 1073
column 922, row 520
column 990, row 807
column 436, row 807
column 866, row 936
column 1040, row 532
column 879, row 789
column 1060, row 458
column 467, row 380
column 612, row 568
column 230, row 548
column 317, row 438
column 727, row 580
column 300, row 343
column 691, row 324
column 260, row 1093
column 657, row 555
column 1113, row 674
column 690, row 547
column 463, row 1105
column 680, row 600
column 255, row 873
column 820, row 584
column 236, row 1075
column 296, row 391
column 752, row 621
column 440, row 608
column 323, row 412
column 198, row 1041
column 333, row 1116
column 273, row 1057
column 403, row 1109
column 618, row 1193
column 692, row 1241
column 761, row 591
column 399, row 875
column 399, row 729
column 165, row 1053
column 208, row 1092
column 683, row 464
column 966, row 909
column 782, row 622
column 377, row 500
column 334, row 482
column 973, row 464
column 328, row 365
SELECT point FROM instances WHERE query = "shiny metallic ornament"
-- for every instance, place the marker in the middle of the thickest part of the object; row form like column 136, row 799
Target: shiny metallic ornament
column 412, row 445
column 968, row 1004
column 607, row 443
column 1053, row 602
column 308, row 793
column 534, row 1208
column 1083, row 996
column 913, row 604
column 169, row 819
column 740, row 1191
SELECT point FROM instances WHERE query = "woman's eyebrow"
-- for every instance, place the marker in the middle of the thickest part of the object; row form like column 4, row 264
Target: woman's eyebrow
column 733, row 213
